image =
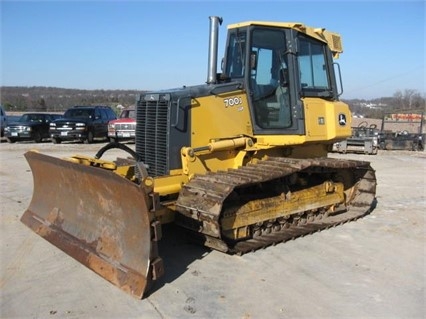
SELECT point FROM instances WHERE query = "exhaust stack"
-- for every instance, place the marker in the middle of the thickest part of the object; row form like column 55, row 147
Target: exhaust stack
column 213, row 45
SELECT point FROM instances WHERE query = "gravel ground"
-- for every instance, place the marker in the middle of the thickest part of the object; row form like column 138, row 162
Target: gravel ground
column 371, row 268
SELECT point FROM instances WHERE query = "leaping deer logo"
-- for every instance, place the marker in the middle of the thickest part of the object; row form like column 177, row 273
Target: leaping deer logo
column 342, row 119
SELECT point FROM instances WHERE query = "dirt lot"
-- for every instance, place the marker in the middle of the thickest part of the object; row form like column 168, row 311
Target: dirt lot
column 371, row 268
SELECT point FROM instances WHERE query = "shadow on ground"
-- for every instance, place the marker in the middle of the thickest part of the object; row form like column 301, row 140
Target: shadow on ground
column 178, row 251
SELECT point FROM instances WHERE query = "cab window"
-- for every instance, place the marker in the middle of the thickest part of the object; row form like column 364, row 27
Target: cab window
column 236, row 55
column 268, row 83
column 313, row 67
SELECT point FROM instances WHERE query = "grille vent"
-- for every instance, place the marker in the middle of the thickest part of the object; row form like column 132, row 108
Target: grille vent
column 125, row 127
column 152, row 132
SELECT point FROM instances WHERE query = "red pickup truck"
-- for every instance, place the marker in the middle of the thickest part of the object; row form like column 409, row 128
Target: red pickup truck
column 123, row 128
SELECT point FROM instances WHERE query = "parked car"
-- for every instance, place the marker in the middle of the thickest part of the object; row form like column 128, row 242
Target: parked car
column 83, row 123
column 123, row 128
column 3, row 120
column 30, row 127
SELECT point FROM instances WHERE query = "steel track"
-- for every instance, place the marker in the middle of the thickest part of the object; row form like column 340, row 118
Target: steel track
column 203, row 196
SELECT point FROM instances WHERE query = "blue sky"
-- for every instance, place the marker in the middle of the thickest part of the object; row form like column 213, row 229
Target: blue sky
column 164, row 44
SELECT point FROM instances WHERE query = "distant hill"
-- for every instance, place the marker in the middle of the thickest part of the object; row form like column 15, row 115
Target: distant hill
column 53, row 99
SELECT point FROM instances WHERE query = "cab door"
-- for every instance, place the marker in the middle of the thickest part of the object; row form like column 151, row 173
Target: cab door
column 276, row 108
column 98, row 123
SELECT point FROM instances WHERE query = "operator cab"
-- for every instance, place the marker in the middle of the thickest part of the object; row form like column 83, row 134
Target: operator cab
column 283, row 67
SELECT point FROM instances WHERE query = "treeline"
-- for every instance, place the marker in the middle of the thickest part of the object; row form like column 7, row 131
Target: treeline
column 52, row 99
column 407, row 100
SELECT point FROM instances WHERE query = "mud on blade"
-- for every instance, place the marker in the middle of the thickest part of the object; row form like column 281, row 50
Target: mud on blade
column 97, row 217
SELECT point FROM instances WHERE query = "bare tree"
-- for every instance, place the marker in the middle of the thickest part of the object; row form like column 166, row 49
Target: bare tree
column 409, row 100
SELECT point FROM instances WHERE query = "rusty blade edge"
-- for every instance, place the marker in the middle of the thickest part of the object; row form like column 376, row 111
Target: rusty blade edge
column 121, row 276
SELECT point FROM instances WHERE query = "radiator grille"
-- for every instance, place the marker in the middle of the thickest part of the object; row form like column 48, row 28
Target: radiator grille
column 125, row 127
column 152, row 134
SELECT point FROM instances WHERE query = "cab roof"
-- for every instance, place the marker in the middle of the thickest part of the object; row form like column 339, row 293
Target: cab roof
column 333, row 40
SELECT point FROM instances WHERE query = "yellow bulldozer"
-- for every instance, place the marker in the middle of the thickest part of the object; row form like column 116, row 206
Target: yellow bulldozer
column 240, row 162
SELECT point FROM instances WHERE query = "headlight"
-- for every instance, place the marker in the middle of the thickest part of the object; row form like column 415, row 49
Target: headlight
column 6, row 129
column 27, row 128
column 80, row 126
column 52, row 124
column 111, row 126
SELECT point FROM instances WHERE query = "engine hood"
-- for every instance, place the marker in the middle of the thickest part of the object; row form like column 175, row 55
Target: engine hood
column 72, row 120
column 126, row 120
column 17, row 124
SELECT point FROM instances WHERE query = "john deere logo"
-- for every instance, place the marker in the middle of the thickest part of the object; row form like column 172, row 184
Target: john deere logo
column 342, row 119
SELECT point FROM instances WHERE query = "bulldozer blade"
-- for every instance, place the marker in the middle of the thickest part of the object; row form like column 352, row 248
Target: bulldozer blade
column 97, row 217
